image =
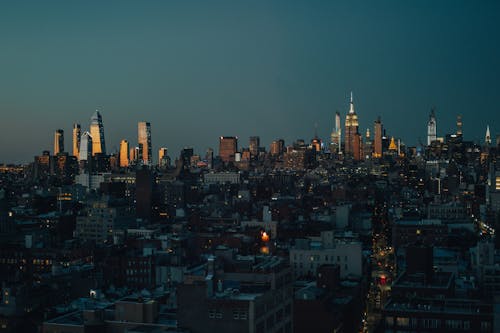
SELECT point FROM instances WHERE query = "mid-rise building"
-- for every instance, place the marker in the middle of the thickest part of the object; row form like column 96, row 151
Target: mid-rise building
column 254, row 145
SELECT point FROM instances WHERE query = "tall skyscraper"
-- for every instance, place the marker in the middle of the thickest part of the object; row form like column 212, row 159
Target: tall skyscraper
column 77, row 133
column 144, row 139
column 431, row 128
column 58, row 141
column 254, row 145
column 228, row 145
column 353, row 141
column 377, row 138
column 86, row 146
column 459, row 125
column 124, row 154
column 97, row 134
column 487, row 137
column 336, row 136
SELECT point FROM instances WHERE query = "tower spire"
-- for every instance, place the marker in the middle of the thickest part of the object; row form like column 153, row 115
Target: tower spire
column 351, row 106
column 487, row 138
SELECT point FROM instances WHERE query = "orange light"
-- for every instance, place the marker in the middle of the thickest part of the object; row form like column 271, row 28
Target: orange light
column 264, row 237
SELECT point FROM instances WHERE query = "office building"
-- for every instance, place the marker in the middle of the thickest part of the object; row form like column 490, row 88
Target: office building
column 431, row 128
column 254, row 145
column 58, row 142
column 86, row 146
column 336, row 136
column 228, row 145
column 124, row 154
column 353, row 144
column 77, row 133
column 144, row 140
column 97, row 134
column 163, row 159
column 377, row 138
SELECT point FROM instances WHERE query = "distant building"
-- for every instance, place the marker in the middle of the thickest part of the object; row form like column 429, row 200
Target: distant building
column 58, row 141
column 124, row 154
column 431, row 128
column 97, row 133
column 77, row 133
column 144, row 140
column 228, row 146
column 254, row 145
column 377, row 138
column 353, row 143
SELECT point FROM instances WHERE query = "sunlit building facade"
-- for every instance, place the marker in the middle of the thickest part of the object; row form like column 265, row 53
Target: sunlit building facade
column 144, row 139
column 58, row 141
column 124, row 154
column 228, row 145
column 77, row 134
column 97, row 134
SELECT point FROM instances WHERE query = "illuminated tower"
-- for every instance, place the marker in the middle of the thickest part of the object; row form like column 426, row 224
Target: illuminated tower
column 431, row 128
column 97, row 134
column 144, row 139
column 459, row 125
column 335, row 144
column 124, row 154
column 487, row 137
column 77, row 133
column 228, row 145
column 58, row 141
column 377, row 138
column 353, row 144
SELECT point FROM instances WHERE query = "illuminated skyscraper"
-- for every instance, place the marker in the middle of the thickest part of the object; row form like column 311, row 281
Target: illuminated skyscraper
column 86, row 146
column 124, row 154
column 228, row 145
column 431, row 128
column 459, row 125
column 77, row 133
column 487, row 137
column 144, row 139
column 97, row 134
column 58, row 141
column 377, row 138
column 353, row 144
column 336, row 136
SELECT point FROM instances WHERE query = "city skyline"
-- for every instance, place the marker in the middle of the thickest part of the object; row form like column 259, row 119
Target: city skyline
column 199, row 72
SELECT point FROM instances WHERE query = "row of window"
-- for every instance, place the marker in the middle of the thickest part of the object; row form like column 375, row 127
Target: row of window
column 455, row 324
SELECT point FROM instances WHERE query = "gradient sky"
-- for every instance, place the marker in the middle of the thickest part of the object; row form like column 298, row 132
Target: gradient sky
column 200, row 69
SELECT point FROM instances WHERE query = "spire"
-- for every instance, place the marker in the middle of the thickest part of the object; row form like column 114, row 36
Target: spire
column 351, row 109
column 487, row 138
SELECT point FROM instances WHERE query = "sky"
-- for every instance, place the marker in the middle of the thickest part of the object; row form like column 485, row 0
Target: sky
column 197, row 70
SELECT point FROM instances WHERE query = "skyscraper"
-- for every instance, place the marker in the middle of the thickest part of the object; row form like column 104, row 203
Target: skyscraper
column 254, row 145
column 163, row 159
column 124, row 154
column 228, row 145
column 377, row 138
column 336, row 136
column 353, row 144
column 86, row 146
column 459, row 125
column 58, row 141
column 487, row 137
column 97, row 134
column 77, row 133
column 144, row 139
column 431, row 128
